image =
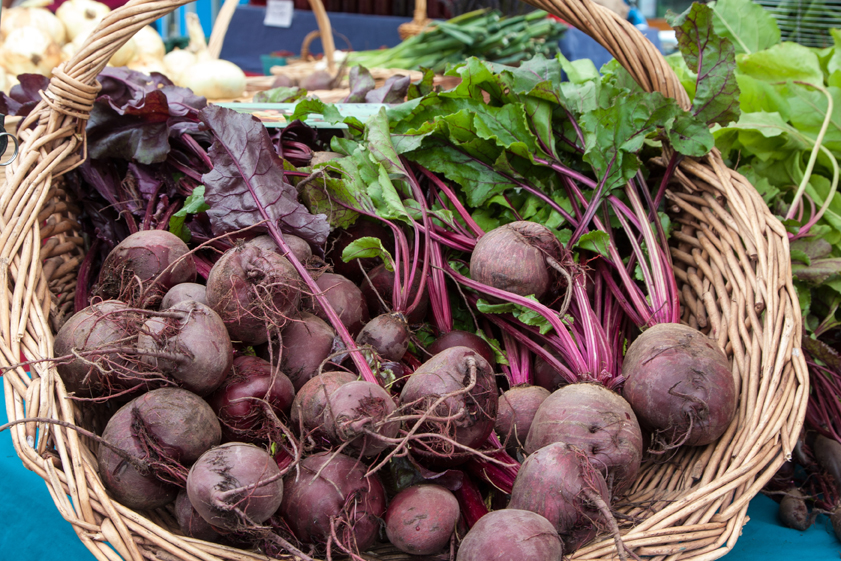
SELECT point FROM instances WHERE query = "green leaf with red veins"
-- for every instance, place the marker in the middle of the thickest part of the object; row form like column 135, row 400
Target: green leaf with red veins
column 713, row 59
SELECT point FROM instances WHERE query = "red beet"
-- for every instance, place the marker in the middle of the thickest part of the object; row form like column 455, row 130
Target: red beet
column 388, row 335
column 463, row 339
column 421, row 519
column 352, row 409
column 184, row 291
column 240, row 402
column 297, row 246
column 333, row 487
column 198, row 336
column 190, row 522
column 513, row 258
column 545, row 375
column 309, row 403
column 597, row 421
column 511, row 535
column 156, row 258
column 446, row 373
column 346, row 299
column 235, row 485
column 517, row 408
column 253, row 291
column 342, row 238
column 307, row 342
column 680, row 385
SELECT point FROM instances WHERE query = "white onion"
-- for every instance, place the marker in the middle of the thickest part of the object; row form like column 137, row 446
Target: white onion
column 147, row 65
column 28, row 50
column 45, row 20
column 176, row 62
column 149, row 43
column 215, row 79
column 78, row 15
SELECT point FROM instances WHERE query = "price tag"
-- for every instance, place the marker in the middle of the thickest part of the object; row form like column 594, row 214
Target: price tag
column 279, row 13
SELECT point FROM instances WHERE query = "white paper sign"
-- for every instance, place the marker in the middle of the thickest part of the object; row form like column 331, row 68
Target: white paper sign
column 279, row 13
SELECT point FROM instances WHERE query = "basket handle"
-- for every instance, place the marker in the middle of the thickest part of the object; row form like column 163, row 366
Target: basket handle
column 420, row 11
column 625, row 42
column 326, row 33
column 220, row 27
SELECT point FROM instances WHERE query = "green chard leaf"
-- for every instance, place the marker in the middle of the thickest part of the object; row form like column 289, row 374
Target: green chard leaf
column 595, row 241
column 748, row 25
column 713, row 59
column 525, row 315
column 192, row 205
column 368, row 247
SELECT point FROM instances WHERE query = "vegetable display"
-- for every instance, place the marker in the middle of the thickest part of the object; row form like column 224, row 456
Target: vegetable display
column 376, row 298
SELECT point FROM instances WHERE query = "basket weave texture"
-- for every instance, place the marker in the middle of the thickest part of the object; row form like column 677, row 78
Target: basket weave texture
column 731, row 259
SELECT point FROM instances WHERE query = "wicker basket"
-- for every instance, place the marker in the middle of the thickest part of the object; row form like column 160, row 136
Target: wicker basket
column 418, row 24
column 731, row 258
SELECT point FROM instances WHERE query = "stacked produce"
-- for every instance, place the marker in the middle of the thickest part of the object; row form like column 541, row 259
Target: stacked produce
column 35, row 41
column 787, row 141
column 483, row 33
column 465, row 304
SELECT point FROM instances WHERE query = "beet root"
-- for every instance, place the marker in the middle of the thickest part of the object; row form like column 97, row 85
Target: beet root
column 190, row 522
column 197, row 340
column 299, row 248
column 346, row 299
column 254, row 292
column 99, row 326
column 421, row 519
column 353, row 410
column 240, row 403
column 463, row 339
column 559, row 483
column 167, row 429
column 793, row 512
column 596, row 420
column 511, row 534
column 343, row 238
column 544, row 375
column 331, row 494
column 517, row 408
column 680, row 385
column 388, row 336
column 184, row 291
column 513, row 258
column 307, row 342
column 465, row 416
column 157, row 259
column 828, row 455
column 311, row 399
column 235, row 486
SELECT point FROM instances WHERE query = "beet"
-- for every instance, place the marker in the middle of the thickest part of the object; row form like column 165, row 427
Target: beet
column 99, row 326
column 240, row 401
column 835, row 519
column 512, row 257
column 421, row 519
column 352, row 409
column 596, row 420
column 307, row 342
column 517, row 408
column 340, row 492
column 168, row 427
column 346, row 299
column 510, row 534
column 231, row 477
column 158, row 259
column 342, row 238
column 828, row 455
column 199, row 337
column 793, row 512
column 299, row 248
column 559, row 483
column 463, row 339
column 446, row 373
column 190, row 522
column 253, row 291
column 383, row 284
column 679, row 383
column 388, row 335
column 545, row 375
column 318, row 80
column 309, row 403
column 184, row 291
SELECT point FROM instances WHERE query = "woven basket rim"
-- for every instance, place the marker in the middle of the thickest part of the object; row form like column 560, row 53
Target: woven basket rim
column 733, row 265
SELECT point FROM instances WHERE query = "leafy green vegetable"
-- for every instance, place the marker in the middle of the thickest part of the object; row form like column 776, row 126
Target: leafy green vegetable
column 192, row 205
column 748, row 25
column 368, row 247
column 528, row 317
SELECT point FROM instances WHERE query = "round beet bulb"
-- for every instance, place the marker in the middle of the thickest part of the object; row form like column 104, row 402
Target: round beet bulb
column 346, row 299
column 380, row 282
column 463, row 339
column 388, row 335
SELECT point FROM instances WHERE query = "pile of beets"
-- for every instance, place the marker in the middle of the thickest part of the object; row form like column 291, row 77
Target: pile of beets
column 234, row 402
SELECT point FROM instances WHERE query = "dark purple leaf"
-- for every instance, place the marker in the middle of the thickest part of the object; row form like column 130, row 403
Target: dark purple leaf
column 247, row 171
column 818, row 272
column 361, row 82
column 24, row 96
column 393, row 91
